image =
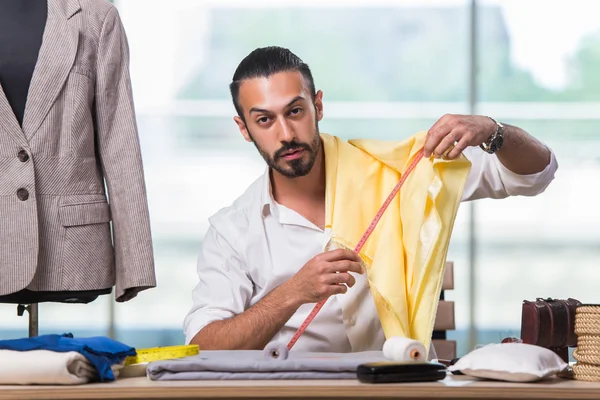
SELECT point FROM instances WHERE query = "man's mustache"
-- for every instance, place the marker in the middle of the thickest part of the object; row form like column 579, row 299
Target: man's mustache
column 290, row 147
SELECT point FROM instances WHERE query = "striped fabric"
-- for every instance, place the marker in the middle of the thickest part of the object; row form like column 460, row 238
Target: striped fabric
column 80, row 133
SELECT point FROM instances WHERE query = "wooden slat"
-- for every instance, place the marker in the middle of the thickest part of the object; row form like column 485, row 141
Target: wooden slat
column 445, row 349
column 444, row 319
column 448, row 282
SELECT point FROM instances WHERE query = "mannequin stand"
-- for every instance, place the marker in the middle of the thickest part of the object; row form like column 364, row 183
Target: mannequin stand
column 32, row 309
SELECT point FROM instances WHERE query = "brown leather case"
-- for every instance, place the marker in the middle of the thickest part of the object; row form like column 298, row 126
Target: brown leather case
column 550, row 323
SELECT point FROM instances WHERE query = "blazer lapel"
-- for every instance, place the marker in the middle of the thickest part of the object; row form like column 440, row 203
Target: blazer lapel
column 55, row 60
column 8, row 121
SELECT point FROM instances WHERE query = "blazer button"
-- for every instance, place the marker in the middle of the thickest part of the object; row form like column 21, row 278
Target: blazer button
column 23, row 156
column 22, row 194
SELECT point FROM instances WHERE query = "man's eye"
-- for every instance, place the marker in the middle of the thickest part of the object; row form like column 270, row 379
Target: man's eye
column 296, row 111
column 263, row 120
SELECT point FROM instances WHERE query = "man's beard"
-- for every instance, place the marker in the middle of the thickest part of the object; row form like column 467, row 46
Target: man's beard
column 293, row 168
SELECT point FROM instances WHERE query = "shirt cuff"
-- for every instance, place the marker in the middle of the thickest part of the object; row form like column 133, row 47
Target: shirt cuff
column 527, row 185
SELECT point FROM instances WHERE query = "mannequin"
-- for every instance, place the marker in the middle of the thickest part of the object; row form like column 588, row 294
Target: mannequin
column 25, row 20
column 21, row 28
column 68, row 133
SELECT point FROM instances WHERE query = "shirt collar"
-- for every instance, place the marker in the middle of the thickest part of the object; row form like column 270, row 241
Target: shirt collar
column 268, row 205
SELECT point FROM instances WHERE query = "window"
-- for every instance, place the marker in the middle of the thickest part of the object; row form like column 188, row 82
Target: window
column 387, row 69
column 368, row 59
column 536, row 73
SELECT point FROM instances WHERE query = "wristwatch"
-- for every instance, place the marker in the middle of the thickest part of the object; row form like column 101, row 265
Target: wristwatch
column 494, row 142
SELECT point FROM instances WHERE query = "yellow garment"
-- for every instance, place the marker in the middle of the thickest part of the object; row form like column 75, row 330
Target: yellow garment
column 405, row 255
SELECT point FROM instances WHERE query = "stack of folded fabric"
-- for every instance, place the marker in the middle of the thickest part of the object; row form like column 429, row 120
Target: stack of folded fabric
column 61, row 360
column 258, row 364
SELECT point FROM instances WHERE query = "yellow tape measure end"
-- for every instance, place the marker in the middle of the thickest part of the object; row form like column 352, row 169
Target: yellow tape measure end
column 162, row 353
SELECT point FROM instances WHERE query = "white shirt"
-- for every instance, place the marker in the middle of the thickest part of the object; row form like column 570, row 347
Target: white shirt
column 255, row 245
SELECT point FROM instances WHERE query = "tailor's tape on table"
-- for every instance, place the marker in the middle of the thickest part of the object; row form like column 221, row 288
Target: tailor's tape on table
column 162, row 353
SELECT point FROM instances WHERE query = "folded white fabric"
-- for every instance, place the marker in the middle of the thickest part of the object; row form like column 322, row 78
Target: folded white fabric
column 513, row 362
column 44, row 367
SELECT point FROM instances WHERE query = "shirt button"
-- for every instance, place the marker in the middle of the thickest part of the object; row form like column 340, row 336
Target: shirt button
column 352, row 321
column 22, row 194
column 23, row 156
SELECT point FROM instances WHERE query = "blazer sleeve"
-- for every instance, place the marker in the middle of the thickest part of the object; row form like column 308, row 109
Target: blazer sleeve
column 119, row 153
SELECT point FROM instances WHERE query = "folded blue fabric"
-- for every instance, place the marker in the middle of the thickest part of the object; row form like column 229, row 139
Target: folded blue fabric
column 101, row 352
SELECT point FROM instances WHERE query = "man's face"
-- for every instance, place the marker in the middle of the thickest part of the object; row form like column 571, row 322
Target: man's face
column 282, row 121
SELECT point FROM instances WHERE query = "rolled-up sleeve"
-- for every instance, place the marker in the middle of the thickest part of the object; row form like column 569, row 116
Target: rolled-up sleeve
column 224, row 289
column 489, row 178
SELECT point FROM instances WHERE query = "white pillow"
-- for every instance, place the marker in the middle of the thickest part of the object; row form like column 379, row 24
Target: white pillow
column 513, row 362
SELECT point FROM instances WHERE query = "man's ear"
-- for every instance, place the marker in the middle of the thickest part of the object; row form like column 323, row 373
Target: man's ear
column 319, row 104
column 242, row 127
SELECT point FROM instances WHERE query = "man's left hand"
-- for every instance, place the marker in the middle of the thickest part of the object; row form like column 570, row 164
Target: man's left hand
column 453, row 133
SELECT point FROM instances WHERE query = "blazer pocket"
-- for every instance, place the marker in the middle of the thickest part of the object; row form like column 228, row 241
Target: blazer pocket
column 87, row 248
column 84, row 214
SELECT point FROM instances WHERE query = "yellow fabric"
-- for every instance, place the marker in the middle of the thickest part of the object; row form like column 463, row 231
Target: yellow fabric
column 405, row 256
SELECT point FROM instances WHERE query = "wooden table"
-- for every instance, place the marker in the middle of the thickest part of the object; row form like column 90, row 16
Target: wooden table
column 453, row 387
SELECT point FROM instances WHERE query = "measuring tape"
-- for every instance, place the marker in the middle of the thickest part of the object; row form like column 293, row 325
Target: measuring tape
column 360, row 244
column 162, row 353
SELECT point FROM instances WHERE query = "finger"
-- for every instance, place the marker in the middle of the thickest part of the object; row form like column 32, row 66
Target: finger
column 447, row 143
column 336, row 289
column 441, row 121
column 340, row 278
column 346, row 266
column 459, row 148
column 336, row 278
column 340, row 254
column 435, row 136
column 351, row 280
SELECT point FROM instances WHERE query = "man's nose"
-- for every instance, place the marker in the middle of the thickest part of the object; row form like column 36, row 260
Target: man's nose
column 286, row 132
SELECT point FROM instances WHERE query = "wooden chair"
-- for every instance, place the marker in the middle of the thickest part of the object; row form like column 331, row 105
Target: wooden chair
column 444, row 319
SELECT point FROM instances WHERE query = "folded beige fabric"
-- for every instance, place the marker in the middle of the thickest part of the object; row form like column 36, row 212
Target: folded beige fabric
column 44, row 367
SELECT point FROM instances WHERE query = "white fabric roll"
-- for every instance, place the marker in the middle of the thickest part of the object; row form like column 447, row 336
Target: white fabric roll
column 276, row 351
column 44, row 367
column 402, row 349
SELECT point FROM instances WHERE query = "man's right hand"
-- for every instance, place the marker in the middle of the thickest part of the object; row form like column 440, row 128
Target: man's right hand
column 324, row 275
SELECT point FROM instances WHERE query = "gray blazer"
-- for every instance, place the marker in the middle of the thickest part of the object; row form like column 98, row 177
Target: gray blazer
column 78, row 133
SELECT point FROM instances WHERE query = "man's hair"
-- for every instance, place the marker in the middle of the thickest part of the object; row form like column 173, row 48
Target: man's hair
column 264, row 62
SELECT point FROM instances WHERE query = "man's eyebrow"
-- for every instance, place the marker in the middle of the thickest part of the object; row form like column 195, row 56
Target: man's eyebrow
column 262, row 110
column 258, row 110
column 295, row 99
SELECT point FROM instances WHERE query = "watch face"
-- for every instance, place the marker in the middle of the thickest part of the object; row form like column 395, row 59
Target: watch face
column 496, row 144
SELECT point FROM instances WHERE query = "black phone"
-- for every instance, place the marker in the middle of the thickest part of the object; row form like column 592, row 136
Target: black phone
column 396, row 372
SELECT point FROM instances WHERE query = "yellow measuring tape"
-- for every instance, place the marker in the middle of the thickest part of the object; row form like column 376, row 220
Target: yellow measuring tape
column 162, row 353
